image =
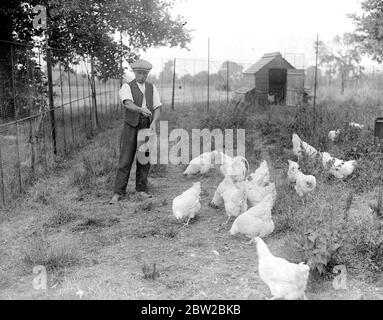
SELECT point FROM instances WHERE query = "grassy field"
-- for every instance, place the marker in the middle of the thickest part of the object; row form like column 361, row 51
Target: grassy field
column 64, row 222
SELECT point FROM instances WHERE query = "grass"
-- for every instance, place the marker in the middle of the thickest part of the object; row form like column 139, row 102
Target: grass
column 53, row 258
column 62, row 215
column 97, row 163
column 115, row 243
column 321, row 230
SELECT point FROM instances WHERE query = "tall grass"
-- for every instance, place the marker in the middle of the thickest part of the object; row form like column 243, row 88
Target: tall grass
column 100, row 162
column 324, row 233
column 53, row 258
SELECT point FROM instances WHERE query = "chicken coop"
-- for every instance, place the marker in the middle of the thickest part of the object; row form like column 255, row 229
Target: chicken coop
column 272, row 80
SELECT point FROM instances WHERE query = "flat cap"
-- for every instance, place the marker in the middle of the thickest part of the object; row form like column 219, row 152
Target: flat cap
column 141, row 65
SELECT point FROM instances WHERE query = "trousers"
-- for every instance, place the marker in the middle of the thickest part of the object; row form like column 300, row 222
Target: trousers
column 128, row 148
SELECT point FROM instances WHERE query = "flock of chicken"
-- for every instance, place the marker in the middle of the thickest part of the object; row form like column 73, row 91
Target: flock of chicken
column 250, row 201
column 340, row 169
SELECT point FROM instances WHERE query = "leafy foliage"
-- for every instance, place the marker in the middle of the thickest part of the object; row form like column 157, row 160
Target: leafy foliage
column 342, row 56
column 88, row 27
column 369, row 28
column 323, row 234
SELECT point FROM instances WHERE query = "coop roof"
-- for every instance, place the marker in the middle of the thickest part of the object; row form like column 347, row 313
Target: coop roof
column 265, row 60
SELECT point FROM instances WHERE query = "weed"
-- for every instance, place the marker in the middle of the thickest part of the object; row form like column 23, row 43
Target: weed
column 40, row 252
column 62, row 215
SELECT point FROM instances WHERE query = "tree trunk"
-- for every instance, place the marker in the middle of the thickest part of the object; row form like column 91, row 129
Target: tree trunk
column 342, row 79
column 329, row 77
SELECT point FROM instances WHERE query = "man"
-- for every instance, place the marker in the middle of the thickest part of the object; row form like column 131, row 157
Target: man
column 142, row 109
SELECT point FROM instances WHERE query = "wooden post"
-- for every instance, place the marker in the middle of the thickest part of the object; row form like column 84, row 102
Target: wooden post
column 227, row 83
column 174, row 82
column 121, row 70
column 50, row 94
column 93, row 88
column 62, row 108
column 16, row 122
column 70, row 106
column 2, row 180
column 316, row 70
column 208, row 75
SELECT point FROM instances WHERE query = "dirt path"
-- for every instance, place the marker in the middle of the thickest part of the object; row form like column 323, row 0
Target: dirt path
column 199, row 262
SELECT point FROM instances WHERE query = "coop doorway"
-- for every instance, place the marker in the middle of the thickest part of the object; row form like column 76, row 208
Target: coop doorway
column 277, row 86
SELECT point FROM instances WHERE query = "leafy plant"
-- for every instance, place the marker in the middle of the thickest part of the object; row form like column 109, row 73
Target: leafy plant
column 323, row 235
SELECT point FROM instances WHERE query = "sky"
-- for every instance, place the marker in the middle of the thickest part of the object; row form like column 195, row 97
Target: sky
column 243, row 30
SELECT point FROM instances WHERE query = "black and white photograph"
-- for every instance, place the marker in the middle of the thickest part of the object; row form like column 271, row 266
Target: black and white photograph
column 216, row 151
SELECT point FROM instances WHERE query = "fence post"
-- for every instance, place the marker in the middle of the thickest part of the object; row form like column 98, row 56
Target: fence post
column 32, row 147
column 70, row 105
column 16, row 122
column 78, row 103
column 174, row 82
column 89, row 91
column 62, row 107
column 93, row 87
column 50, row 97
column 2, row 179
column 227, row 83
column 84, row 103
column 315, row 74
column 208, row 76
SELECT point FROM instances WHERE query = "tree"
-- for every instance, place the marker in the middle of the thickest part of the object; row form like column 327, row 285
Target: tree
column 166, row 75
column 369, row 29
column 327, row 59
column 79, row 28
column 235, row 74
column 342, row 55
column 310, row 75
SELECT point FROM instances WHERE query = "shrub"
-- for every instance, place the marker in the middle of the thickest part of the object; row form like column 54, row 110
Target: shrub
column 323, row 234
column 225, row 117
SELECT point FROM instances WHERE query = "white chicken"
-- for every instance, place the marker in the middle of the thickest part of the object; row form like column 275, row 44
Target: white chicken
column 293, row 169
column 233, row 195
column 261, row 176
column 256, row 221
column 304, row 184
column 258, row 185
column 298, row 145
column 187, row 204
column 255, row 193
column 356, row 125
column 333, row 134
column 285, row 280
column 201, row 164
column 236, row 167
column 339, row 168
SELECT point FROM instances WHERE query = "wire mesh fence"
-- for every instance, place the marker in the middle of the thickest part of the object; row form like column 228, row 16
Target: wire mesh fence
column 185, row 82
column 36, row 133
column 49, row 109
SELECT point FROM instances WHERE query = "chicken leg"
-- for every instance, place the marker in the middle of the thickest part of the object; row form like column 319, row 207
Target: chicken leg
column 225, row 223
column 187, row 223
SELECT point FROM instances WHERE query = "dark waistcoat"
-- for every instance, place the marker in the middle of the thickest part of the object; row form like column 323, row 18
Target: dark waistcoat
column 132, row 117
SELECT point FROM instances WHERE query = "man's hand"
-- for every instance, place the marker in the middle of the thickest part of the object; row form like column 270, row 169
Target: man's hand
column 145, row 112
column 153, row 127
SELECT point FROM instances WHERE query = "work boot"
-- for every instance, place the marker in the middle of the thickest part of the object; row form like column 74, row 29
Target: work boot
column 144, row 195
column 116, row 197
